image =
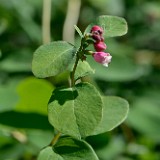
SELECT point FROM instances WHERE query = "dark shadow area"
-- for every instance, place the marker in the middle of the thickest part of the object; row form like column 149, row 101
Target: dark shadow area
column 25, row 120
column 72, row 147
column 63, row 95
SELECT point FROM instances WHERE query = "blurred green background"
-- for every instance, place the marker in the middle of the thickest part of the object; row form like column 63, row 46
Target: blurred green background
column 133, row 74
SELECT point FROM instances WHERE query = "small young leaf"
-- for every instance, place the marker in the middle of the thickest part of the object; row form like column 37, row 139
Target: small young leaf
column 83, row 69
column 52, row 59
column 48, row 154
column 72, row 149
column 114, row 113
column 79, row 31
column 75, row 111
column 88, row 28
column 112, row 25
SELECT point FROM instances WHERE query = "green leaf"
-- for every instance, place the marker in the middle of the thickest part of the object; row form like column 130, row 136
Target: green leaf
column 114, row 113
column 113, row 149
column 112, row 25
column 121, row 68
column 79, row 31
column 0, row 53
column 144, row 114
column 88, row 28
column 17, row 62
column 25, row 19
column 48, row 154
column 8, row 95
column 72, row 149
column 68, row 148
column 83, row 69
column 75, row 111
column 12, row 152
column 39, row 138
column 52, row 59
column 34, row 95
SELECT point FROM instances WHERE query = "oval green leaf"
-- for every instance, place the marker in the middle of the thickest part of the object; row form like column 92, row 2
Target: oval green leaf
column 113, row 26
column 115, row 112
column 52, row 59
column 72, row 149
column 75, row 111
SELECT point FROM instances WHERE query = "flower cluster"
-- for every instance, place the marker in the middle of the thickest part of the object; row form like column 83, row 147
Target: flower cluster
column 100, row 56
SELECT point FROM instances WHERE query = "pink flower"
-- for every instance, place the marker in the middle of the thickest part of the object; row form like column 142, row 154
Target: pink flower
column 100, row 46
column 102, row 57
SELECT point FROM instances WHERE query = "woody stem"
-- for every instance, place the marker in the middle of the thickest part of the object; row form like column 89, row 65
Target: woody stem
column 55, row 139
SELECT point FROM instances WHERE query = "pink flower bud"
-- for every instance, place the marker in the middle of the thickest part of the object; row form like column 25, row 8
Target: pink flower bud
column 97, row 32
column 97, row 29
column 102, row 57
column 100, row 46
column 97, row 37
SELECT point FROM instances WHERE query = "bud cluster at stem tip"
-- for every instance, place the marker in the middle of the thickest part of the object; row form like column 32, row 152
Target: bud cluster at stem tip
column 100, row 56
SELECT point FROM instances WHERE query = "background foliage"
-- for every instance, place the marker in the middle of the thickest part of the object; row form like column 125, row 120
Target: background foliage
column 133, row 75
